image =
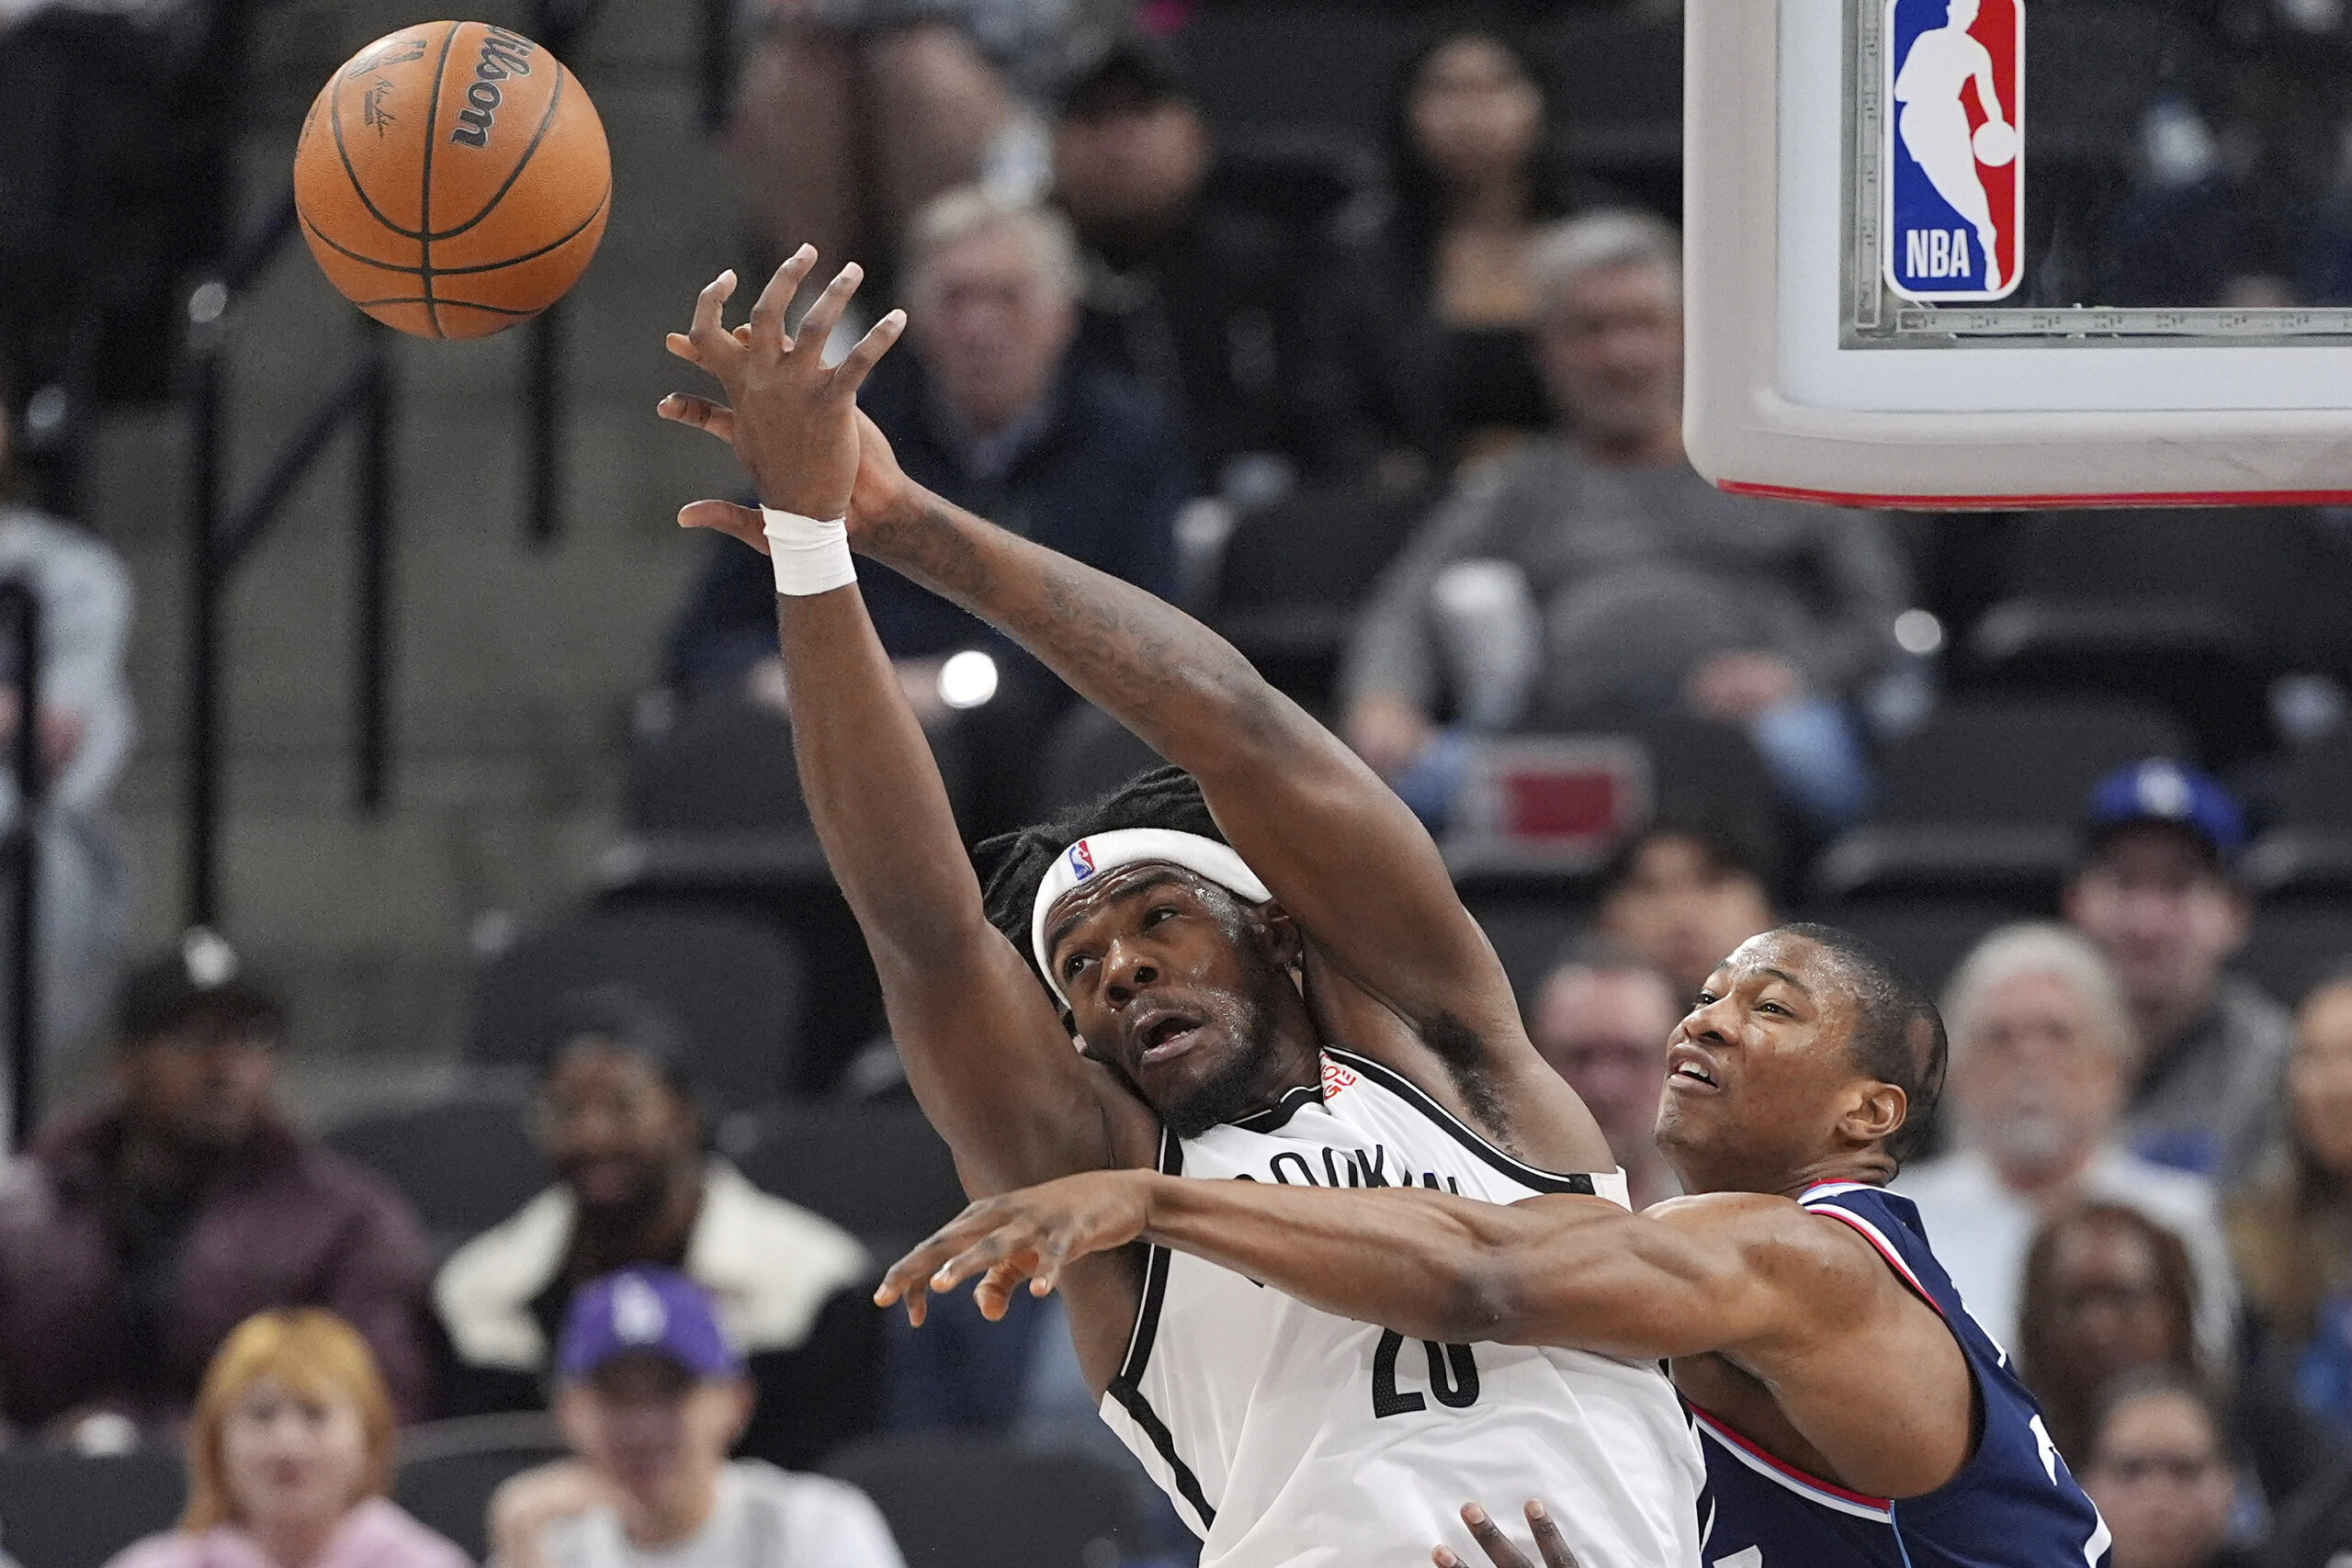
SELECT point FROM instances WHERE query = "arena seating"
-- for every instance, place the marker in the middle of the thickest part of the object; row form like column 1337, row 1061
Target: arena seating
column 449, row 1470
column 2308, row 850
column 1988, row 795
column 983, row 1505
column 1088, row 754
column 60, row 1509
column 1293, row 574
column 464, row 1161
column 734, row 981
column 2164, row 604
column 877, row 1170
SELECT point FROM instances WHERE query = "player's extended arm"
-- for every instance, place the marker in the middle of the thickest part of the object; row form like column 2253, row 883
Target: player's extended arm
column 985, row 1053
column 1341, row 852
column 1578, row 1272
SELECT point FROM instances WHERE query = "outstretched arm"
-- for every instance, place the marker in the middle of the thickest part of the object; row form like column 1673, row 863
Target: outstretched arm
column 1339, row 850
column 985, row 1051
column 1570, row 1271
column 1763, row 1296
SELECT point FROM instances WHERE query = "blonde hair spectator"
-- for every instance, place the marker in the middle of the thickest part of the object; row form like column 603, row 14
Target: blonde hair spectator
column 289, row 1458
column 308, row 1353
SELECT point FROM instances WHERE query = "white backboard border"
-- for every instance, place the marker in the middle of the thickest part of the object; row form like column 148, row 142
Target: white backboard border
column 2081, row 408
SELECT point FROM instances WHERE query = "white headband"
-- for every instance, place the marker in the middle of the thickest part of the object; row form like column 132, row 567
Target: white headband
column 1090, row 858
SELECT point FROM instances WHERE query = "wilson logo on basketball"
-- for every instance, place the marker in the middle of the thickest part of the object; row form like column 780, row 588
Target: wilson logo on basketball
column 502, row 56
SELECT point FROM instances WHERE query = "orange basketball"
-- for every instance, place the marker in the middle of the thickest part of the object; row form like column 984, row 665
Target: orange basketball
column 453, row 179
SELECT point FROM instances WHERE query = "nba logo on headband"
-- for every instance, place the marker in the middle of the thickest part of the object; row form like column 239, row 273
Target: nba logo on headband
column 1954, row 164
column 1081, row 860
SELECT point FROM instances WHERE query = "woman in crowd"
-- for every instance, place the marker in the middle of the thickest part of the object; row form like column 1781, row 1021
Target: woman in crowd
column 2159, row 1471
column 2293, row 1232
column 2108, row 1291
column 2109, row 1295
column 290, row 1454
column 1472, row 176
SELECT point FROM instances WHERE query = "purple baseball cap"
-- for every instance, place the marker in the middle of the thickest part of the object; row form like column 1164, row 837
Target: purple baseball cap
column 646, row 1309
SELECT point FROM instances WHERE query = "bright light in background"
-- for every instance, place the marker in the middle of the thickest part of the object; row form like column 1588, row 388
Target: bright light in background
column 1918, row 632
column 967, row 678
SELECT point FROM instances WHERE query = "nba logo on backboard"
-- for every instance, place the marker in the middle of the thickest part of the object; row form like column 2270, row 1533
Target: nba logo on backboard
column 1081, row 860
column 1954, row 160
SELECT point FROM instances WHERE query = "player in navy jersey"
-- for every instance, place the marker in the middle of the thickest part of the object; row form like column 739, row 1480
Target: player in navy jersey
column 1852, row 1414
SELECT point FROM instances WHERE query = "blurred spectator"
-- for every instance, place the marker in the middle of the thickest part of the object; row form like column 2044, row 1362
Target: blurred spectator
column 1222, row 308
column 2108, row 1291
column 86, row 735
column 134, row 1238
column 2293, row 1230
column 653, row 1396
column 2178, row 237
column 1646, row 588
column 993, row 412
column 2040, row 1048
column 851, row 115
column 289, row 1455
column 2158, row 1472
column 1472, row 175
column 1601, row 1020
column 1679, row 896
column 617, row 1117
column 2154, row 891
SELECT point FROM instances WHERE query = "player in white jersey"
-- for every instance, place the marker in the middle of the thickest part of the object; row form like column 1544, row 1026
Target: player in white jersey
column 1267, row 973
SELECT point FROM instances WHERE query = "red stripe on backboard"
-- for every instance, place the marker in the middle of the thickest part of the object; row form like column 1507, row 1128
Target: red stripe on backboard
column 2040, row 502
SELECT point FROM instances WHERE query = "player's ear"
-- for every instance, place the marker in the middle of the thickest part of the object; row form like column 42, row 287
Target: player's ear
column 1282, row 931
column 1876, row 1112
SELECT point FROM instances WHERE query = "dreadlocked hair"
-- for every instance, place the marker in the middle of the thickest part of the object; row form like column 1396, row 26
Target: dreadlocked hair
column 1012, row 866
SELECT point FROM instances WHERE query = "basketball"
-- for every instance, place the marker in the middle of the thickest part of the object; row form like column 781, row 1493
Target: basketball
column 452, row 179
column 1996, row 142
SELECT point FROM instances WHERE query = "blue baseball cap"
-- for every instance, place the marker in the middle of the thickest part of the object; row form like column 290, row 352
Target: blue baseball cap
column 646, row 1309
column 2161, row 790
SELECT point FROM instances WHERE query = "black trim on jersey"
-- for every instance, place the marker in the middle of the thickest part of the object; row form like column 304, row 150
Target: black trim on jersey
column 1408, row 1091
column 1279, row 1113
column 1139, row 1410
column 1155, row 1276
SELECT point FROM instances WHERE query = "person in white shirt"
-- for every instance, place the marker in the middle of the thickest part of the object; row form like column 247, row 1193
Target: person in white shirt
column 652, row 1395
column 2042, row 1053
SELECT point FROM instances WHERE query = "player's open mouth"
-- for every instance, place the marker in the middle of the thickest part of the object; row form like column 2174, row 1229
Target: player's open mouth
column 1687, row 1068
column 1164, row 1034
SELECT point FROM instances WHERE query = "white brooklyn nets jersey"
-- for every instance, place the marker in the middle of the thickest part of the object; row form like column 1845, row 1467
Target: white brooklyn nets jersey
column 1288, row 1435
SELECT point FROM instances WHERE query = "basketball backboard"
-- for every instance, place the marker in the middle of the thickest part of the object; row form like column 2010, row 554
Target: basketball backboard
column 1991, row 253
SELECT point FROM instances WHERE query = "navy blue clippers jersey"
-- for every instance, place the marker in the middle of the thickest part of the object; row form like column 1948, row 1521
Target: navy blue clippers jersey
column 2014, row 1505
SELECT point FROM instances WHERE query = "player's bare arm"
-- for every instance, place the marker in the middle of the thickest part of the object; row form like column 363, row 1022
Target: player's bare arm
column 1746, row 1292
column 985, row 1052
column 1397, row 967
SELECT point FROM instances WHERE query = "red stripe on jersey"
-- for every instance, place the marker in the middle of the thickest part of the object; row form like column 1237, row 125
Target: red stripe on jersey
column 1781, row 1466
column 1885, row 1248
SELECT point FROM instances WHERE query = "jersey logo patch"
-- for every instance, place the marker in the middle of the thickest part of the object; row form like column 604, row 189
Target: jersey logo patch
column 1336, row 1077
column 1081, row 860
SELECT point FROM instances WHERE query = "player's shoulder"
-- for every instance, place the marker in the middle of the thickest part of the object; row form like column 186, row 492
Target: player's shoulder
column 1788, row 1243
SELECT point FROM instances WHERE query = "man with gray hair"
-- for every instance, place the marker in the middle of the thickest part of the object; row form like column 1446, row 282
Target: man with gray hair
column 2042, row 1050
column 993, row 412
column 1642, row 587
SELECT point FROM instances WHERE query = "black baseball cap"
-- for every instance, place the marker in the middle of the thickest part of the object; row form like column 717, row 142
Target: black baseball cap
column 1120, row 68
column 203, row 974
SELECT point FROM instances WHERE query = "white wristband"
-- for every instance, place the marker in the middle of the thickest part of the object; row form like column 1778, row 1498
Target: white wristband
column 810, row 557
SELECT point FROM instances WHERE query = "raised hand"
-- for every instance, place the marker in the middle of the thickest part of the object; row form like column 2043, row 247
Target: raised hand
column 1030, row 1234
column 791, row 418
column 1498, row 1546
